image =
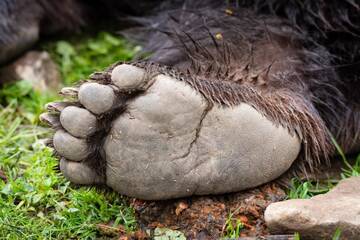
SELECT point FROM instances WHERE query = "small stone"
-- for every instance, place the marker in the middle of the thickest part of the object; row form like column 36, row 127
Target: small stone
column 36, row 67
column 320, row 216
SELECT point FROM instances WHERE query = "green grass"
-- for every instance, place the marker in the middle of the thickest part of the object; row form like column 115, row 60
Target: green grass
column 81, row 57
column 336, row 235
column 36, row 202
column 233, row 226
column 307, row 189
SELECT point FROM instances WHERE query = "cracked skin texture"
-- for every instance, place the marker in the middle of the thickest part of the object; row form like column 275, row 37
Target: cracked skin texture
column 171, row 142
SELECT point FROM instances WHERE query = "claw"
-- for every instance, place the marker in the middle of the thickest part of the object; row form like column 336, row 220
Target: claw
column 50, row 119
column 47, row 142
column 100, row 76
column 58, row 106
column 69, row 91
column 96, row 75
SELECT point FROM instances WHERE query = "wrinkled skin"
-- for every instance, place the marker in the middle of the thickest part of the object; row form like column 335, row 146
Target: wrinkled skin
column 258, row 87
column 171, row 137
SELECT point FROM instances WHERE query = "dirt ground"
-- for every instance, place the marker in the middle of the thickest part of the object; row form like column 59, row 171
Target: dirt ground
column 205, row 217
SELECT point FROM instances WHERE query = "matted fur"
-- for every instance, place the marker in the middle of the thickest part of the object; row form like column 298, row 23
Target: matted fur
column 210, row 44
column 205, row 40
column 285, row 108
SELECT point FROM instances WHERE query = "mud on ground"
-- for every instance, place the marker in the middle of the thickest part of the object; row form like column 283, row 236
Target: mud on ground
column 205, row 217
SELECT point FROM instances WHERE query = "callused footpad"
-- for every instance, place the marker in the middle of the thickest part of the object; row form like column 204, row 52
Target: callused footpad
column 165, row 139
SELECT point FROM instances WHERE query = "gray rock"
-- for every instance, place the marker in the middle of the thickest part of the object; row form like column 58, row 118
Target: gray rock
column 320, row 216
column 36, row 67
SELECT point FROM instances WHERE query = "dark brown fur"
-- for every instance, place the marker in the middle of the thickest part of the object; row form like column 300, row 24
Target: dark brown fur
column 307, row 92
column 297, row 62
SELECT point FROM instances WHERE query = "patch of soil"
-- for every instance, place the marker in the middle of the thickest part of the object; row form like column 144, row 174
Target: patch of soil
column 3, row 176
column 205, row 217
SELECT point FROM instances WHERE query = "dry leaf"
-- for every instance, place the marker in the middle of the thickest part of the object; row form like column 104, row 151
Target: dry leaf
column 181, row 207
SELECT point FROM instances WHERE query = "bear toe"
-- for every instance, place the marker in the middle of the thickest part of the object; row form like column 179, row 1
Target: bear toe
column 96, row 97
column 69, row 146
column 128, row 77
column 79, row 122
column 79, row 173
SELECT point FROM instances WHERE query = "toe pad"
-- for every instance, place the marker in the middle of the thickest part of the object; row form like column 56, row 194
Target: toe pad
column 70, row 147
column 96, row 97
column 79, row 173
column 128, row 77
column 78, row 122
